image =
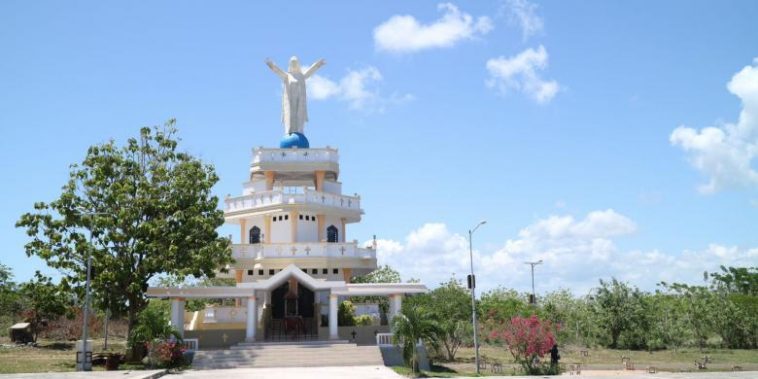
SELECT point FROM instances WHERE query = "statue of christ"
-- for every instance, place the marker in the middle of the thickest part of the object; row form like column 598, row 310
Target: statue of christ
column 294, row 107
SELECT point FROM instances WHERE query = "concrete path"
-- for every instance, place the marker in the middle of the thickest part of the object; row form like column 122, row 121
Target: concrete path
column 606, row 374
column 137, row 374
column 344, row 372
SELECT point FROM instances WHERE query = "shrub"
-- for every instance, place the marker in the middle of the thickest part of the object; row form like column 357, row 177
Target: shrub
column 364, row 320
column 164, row 353
column 528, row 339
column 346, row 314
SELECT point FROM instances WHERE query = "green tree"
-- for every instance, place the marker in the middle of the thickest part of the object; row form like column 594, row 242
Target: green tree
column 9, row 301
column 384, row 274
column 449, row 305
column 10, row 304
column 698, row 306
column 410, row 326
column 43, row 301
column 346, row 314
column 743, row 280
column 139, row 210
column 152, row 324
column 617, row 306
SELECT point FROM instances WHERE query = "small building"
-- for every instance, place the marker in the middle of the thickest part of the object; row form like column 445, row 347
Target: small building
column 21, row 333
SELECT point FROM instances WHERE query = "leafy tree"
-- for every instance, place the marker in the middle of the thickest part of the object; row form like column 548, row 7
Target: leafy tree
column 616, row 307
column 139, row 210
column 742, row 280
column 346, row 314
column 527, row 339
column 43, row 301
column 411, row 326
column 9, row 301
column 449, row 305
column 153, row 323
column 384, row 274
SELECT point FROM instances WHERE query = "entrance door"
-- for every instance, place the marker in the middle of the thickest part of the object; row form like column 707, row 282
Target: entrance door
column 292, row 313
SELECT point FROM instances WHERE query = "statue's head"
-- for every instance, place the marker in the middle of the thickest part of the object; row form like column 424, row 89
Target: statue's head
column 294, row 65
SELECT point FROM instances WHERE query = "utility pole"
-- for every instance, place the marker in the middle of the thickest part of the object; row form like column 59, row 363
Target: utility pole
column 533, row 300
column 472, row 286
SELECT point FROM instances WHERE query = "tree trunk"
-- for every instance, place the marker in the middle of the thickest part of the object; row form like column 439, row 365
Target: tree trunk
column 137, row 351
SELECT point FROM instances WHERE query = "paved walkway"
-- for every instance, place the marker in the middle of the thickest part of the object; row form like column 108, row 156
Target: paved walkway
column 350, row 372
column 345, row 372
column 137, row 374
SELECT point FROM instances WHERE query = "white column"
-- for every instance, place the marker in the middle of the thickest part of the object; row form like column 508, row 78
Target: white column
column 177, row 315
column 396, row 302
column 252, row 318
column 333, row 331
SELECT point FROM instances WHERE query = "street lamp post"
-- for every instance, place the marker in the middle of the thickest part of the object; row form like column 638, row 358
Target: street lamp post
column 472, row 284
column 534, row 296
column 85, row 311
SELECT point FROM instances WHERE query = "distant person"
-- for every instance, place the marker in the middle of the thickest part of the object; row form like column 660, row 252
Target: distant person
column 554, row 356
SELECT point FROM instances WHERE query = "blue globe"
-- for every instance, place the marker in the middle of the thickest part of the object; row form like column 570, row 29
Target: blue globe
column 294, row 140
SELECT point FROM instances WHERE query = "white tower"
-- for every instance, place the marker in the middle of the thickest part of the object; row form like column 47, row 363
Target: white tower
column 292, row 211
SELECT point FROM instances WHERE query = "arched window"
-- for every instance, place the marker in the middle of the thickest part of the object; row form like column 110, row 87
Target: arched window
column 255, row 235
column 332, row 234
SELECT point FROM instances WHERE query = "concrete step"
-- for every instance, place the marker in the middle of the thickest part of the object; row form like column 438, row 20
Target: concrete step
column 311, row 354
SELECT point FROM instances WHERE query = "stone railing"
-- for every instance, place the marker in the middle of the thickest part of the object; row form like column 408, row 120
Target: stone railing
column 384, row 339
column 266, row 198
column 301, row 250
column 266, row 155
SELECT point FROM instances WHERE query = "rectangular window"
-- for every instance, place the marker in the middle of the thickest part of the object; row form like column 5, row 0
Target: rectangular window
column 280, row 218
column 335, row 271
column 286, row 217
column 301, row 217
column 305, row 270
column 250, row 272
column 271, row 272
column 325, row 271
column 260, row 272
column 274, row 218
column 314, row 271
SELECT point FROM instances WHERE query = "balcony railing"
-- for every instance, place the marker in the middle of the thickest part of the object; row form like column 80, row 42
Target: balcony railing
column 302, row 250
column 266, row 155
column 266, row 198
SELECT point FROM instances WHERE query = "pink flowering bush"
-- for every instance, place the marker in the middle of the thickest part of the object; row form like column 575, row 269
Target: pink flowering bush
column 165, row 353
column 528, row 339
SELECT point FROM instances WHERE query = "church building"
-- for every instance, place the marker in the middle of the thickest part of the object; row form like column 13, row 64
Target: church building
column 293, row 259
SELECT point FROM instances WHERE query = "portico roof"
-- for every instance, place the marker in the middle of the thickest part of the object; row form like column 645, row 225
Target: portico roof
column 247, row 289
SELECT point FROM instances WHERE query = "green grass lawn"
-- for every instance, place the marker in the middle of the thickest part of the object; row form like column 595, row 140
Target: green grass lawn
column 50, row 356
column 599, row 359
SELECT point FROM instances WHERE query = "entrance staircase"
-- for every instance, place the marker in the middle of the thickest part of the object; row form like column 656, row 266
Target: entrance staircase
column 305, row 354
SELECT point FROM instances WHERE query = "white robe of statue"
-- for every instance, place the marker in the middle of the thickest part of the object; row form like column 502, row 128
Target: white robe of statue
column 294, row 104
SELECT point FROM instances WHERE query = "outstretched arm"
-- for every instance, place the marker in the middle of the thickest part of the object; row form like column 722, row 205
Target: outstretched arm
column 314, row 67
column 278, row 71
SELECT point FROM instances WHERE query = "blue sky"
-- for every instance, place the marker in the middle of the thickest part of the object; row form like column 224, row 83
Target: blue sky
column 555, row 121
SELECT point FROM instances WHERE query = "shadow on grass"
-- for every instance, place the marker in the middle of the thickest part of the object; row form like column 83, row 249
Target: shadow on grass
column 57, row 346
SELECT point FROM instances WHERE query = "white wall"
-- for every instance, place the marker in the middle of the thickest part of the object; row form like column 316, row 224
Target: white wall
column 254, row 186
column 280, row 230
column 332, row 187
column 307, row 230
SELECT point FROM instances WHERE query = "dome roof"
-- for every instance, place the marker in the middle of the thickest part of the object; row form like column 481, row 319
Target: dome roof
column 294, row 140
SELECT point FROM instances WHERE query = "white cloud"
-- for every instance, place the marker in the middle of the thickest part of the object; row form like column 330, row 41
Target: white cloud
column 575, row 253
column 357, row 88
column 405, row 34
column 524, row 14
column 725, row 153
column 520, row 73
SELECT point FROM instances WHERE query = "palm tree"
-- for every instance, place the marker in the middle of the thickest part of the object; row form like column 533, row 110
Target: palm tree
column 410, row 327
